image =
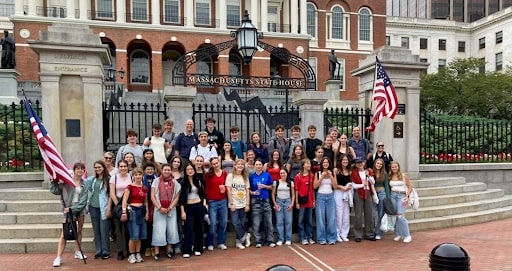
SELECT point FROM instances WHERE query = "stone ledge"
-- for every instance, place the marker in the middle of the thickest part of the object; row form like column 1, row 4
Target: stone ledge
column 21, row 176
column 465, row 166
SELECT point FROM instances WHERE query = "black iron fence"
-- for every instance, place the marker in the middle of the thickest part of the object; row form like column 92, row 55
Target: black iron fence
column 140, row 117
column 346, row 119
column 451, row 140
column 248, row 119
column 18, row 147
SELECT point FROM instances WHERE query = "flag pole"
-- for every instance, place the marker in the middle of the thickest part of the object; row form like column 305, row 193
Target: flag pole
column 373, row 89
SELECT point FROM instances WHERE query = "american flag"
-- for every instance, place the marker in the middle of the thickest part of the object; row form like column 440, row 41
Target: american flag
column 384, row 95
column 53, row 162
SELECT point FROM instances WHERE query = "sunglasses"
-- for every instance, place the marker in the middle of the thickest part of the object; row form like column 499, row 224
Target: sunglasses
column 380, row 145
column 107, row 158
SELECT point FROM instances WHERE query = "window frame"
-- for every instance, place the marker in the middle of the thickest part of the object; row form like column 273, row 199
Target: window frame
column 499, row 37
column 134, row 14
column 459, row 47
column 141, row 72
column 404, row 40
column 202, row 21
column 369, row 30
column 423, row 43
column 235, row 21
column 498, row 63
column 341, row 28
column 98, row 12
column 481, row 43
column 165, row 16
column 441, row 44
column 312, row 25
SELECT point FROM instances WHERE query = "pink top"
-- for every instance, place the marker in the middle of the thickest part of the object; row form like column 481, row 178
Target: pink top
column 122, row 183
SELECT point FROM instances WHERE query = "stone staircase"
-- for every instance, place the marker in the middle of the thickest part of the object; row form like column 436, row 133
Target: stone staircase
column 30, row 217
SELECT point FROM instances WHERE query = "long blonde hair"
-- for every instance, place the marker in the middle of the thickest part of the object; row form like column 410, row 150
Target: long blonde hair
column 398, row 174
column 382, row 171
column 244, row 174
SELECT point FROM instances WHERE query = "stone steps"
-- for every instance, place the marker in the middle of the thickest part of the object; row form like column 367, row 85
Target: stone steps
column 30, row 217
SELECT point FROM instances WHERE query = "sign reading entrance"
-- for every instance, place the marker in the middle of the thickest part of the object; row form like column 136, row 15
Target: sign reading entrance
column 232, row 81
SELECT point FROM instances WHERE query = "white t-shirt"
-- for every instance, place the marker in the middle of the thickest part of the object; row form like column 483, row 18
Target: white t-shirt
column 157, row 145
column 238, row 189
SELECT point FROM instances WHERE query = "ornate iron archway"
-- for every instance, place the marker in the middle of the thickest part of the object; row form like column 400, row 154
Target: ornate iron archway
column 181, row 77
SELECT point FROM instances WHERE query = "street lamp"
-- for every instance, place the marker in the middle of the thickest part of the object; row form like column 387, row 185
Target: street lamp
column 247, row 39
column 111, row 73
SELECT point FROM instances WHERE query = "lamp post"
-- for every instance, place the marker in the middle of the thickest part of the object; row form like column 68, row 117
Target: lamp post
column 111, row 73
column 247, row 39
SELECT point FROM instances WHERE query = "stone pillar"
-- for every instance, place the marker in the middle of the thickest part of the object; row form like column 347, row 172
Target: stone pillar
column 263, row 16
column 222, row 8
column 311, row 105
column 18, row 8
column 121, row 12
column 401, row 134
column 84, row 11
column 155, row 12
column 253, row 14
column 71, row 59
column 179, row 101
column 32, row 8
column 303, row 17
column 9, row 83
column 189, row 13
column 294, row 17
column 70, row 7
column 332, row 88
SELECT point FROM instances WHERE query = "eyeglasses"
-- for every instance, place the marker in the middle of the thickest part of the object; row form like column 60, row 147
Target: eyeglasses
column 380, row 146
column 98, row 167
column 107, row 158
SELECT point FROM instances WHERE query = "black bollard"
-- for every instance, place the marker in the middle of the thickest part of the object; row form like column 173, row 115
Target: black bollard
column 280, row 267
column 448, row 257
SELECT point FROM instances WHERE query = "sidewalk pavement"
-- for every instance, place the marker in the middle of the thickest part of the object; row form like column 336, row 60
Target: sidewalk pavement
column 488, row 245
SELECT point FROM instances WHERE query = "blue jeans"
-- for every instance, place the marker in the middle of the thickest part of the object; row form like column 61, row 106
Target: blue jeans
column 218, row 212
column 305, row 223
column 284, row 219
column 380, row 210
column 401, row 226
column 325, row 211
column 262, row 215
column 238, row 220
column 101, row 229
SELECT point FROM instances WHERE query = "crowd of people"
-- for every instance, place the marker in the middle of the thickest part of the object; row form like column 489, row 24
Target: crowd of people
column 159, row 198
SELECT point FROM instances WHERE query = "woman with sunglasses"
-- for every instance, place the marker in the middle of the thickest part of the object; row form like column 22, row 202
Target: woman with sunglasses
column 380, row 153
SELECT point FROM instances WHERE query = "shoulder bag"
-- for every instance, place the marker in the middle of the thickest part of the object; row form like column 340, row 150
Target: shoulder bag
column 304, row 199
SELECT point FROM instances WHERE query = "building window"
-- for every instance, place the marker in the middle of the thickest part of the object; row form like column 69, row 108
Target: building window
column 481, row 43
column 203, row 12
column 311, row 19
column 405, row 42
column 140, row 10
column 499, row 61
column 233, row 13
column 172, row 11
column 441, row 63
column 423, row 60
column 6, row 8
column 499, row 37
column 139, row 67
column 313, row 63
column 104, row 9
column 442, row 45
column 235, row 65
column 337, row 23
column 365, row 24
column 462, row 46
column 423, row 43
column 388, row 40
column 481, row 69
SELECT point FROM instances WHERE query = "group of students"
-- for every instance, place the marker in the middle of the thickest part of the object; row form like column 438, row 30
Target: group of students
column 196, row 180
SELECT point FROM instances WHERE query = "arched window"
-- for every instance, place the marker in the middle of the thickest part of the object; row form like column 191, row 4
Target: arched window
column 337, row 23
column 365, row 24
column 204, row 67
column 139, row 67
column 311, row 19
column 235, row 65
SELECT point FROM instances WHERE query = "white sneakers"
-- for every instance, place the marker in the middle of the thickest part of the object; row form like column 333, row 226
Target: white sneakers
column 240, row 246
column 397, row 238
column 186, row 255
column 138, row 258
column 377, row 237
column 279, row 243
column 132, row 259
column 57, row 262
column 210, row 248
column 345, row 239
column 288, row 243
column 197, row 253
column 223, row 247
column 79, row 255
column 407, row 239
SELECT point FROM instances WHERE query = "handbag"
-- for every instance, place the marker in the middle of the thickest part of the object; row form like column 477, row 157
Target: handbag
column 389, row 209
column 414, row 199
column 304, row 199
column 117, row 211
column 69, row 228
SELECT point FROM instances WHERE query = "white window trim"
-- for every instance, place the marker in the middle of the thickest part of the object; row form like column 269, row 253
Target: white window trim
column 149, row 67
column 209, row 10
column 97, row 11
column 132, row 13
column 338, row 43
column 365, row 44
column 180, row 19
column 315, row 38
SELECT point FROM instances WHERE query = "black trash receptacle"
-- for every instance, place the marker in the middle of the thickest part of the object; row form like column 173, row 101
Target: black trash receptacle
column 449, row 257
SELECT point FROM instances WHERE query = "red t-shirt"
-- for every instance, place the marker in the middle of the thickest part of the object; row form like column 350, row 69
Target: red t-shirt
column 274, row 173
column 302, row 185
column 212, row 185
column 137, row 194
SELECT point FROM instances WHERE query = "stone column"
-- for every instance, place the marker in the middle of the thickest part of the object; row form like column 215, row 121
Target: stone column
column 71, row 59
column 401, row 134
column 263, row 16
column 83, row 10
column 311, row 105
column 32, row 7
column 294, row 17
column 179, row 104
column 121, row 12
column 253, row 14
column 332, row 88
column 18, row 7
column 70, row 7
column 9, row 83
column 222, row 8
column 155, row 12
column 303, row 17
column 189, row 13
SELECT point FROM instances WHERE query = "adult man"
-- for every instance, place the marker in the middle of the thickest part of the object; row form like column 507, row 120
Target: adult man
column 204, row 149
column 361, row 146
column 8, row 49
column 333, row 63
column 185, row 141
column 215, row 137
column 131, row 137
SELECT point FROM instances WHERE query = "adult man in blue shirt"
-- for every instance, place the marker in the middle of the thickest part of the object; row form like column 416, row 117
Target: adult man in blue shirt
column 261, row 185
column 361, row 146
column 185, row 141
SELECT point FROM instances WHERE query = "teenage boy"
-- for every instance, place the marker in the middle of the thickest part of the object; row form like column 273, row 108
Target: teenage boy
column 311, row 142
column 215, row 137
column 280, row 143
column 170, row 136
column 295, row 139
column 131, row 138
column 204, row 149
column 158, row 144
column 239, row 147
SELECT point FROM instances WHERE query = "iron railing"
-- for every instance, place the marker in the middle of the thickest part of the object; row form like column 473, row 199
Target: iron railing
column 140, row 117
column 249, row 118
column 346, row 119
column 18, row 147
column 452, row 140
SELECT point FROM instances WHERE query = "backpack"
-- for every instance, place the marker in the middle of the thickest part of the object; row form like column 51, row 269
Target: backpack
column 288, row 183
column 252, row 146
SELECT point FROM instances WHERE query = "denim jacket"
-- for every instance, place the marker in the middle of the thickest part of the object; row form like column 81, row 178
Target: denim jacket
column 67, row 191
column 88, row 191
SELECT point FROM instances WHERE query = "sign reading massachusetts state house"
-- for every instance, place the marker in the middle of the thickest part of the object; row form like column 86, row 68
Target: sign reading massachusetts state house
column 253, row 81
